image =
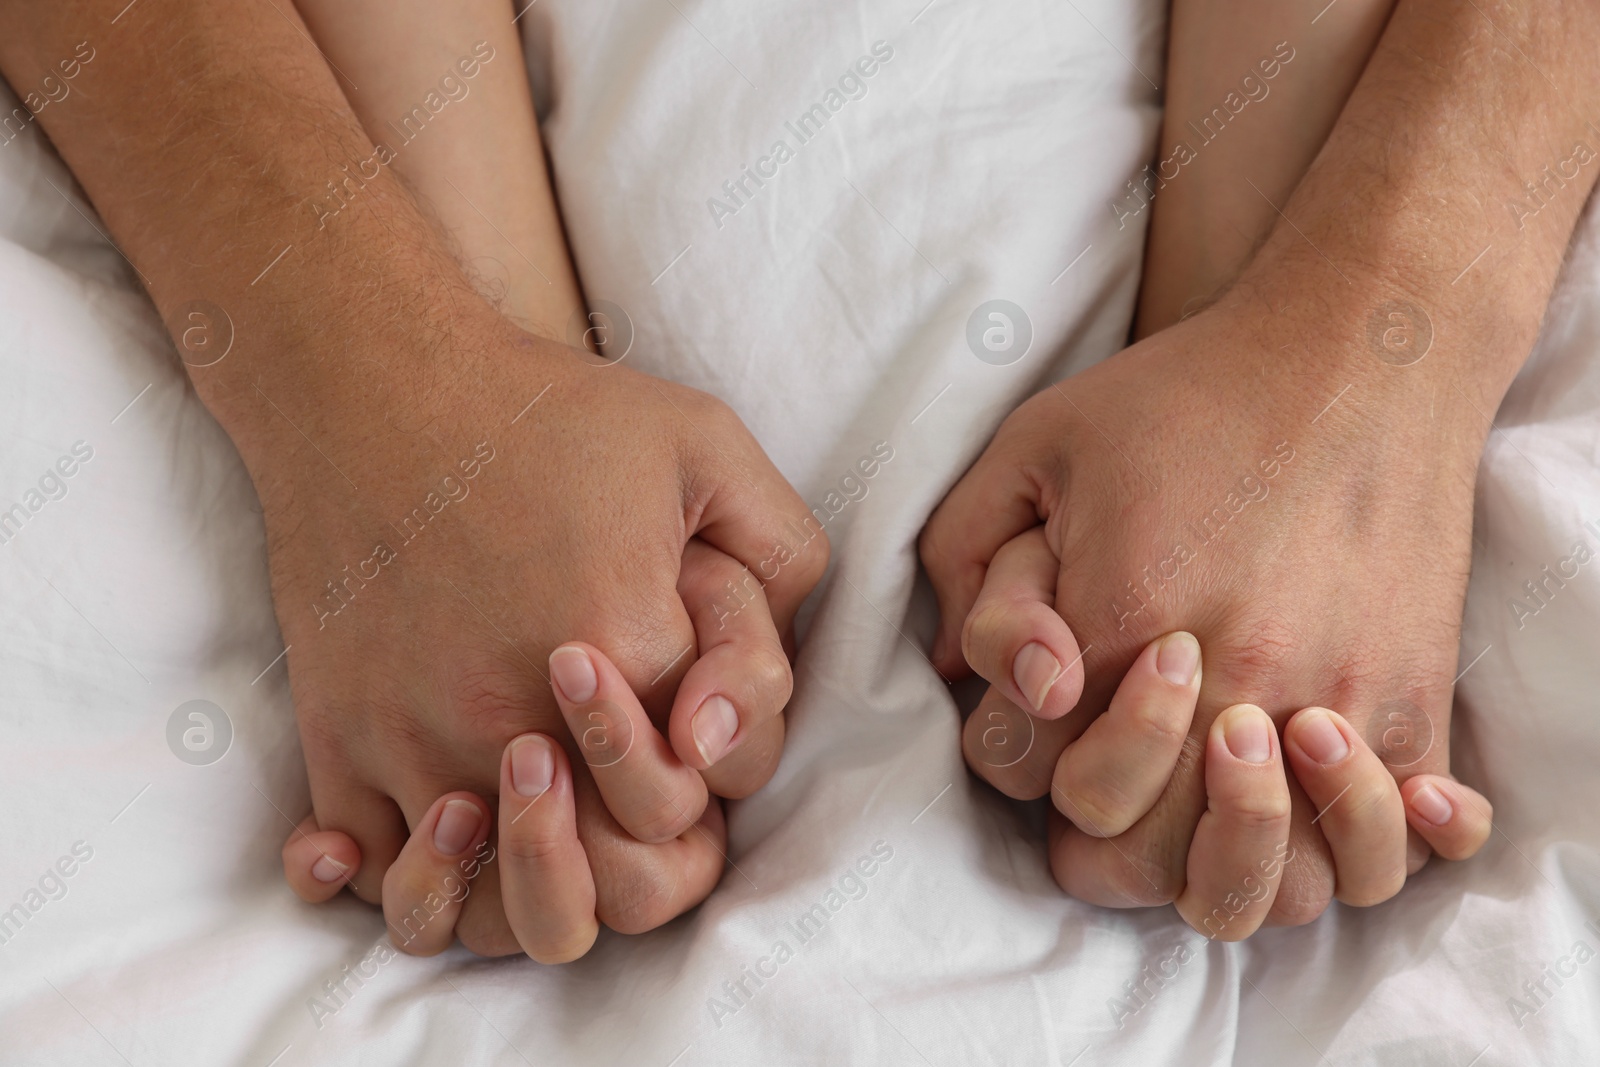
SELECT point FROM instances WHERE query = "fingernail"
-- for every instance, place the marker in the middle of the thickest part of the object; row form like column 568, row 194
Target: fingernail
column 714, row 725
column 1247, row 733
column 574, row 674
column 457, row 826
column 328, row 869
column 533, row 766
column 1432, row 805
column 1178, row 657
column 1319, row 738
column 1035, row 670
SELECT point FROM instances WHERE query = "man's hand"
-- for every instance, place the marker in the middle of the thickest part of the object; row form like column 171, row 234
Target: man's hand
column 1194, row 482
column 446, row 497
column 1288, row 475
column 422, row 598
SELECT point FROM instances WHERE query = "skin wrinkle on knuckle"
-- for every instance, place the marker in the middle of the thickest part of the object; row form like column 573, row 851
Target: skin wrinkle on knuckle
column 771, row 678
column 1143, row 881
column 412, row 884
column 1296, row 905
column 1092, row 811
column 1368, row 804
column 1253, row 659
column 1251, row 811
column 535, row 846
column 1094, row 799
column 1375, row 890
column 662, row 820
column 938, row 556
column 638, row 901
column 1189, row 765
column 984, row 631
column 1155, row 725
column 1305, row 889
column 489, row 941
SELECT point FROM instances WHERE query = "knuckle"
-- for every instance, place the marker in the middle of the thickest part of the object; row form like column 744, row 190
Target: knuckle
column 492, row 700
column 936, row 550
column 811, row 562
column 716, row 411
column 1257, row 810
column 1096, row 806
column 533, row 845
column 983, row 635
column 1255, row 653
column 1144, row 881
column 418, row 930
column 1374, row 889
column 1160, row 723
column 488, row 939
column 575, row 944
column 407, row 885
column 1300, row 902
column 712, row 420
column 637, row 900
column 1020, row 777
column 1374, row 802
column 659, row 821
column 707, row 574
column 771, row 677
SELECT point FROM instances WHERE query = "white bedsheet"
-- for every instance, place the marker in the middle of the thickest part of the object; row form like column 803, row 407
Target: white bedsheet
column 830, row 309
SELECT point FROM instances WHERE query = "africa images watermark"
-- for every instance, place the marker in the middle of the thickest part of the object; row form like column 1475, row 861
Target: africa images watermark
column 1553, row 578
column 1551, row 183
column 1153, row 978
column 849, row 490
column 453, row 488
column 852, row 86
column 1559, row 971
column 50, row 886
column 337, row 992
column 452, row 87
column 1152, row 179
column 804, row 928
column 1252, row 890
column 51, row 90
column 1250, row 489
column 50, row 487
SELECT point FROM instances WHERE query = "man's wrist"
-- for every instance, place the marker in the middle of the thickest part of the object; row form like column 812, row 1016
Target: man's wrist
column 1414, row 261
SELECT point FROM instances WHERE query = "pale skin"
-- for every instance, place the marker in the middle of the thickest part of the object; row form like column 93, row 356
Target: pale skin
column 366, row 370
column 1343, row 588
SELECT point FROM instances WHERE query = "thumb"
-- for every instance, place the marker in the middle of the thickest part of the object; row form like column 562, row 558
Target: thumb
column 991, row 504
column 748, row 510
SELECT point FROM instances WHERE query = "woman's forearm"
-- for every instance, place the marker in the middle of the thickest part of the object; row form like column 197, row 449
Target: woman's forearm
column 1253, row 89
column 443, row 87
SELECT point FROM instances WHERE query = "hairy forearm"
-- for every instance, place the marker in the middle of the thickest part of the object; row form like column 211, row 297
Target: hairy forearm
column 1431, row 212
column 204, row 134
column 1252, row 91
column 476, row 164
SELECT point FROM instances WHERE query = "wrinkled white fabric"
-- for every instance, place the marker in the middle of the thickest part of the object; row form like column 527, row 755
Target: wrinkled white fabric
column 986, row 158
